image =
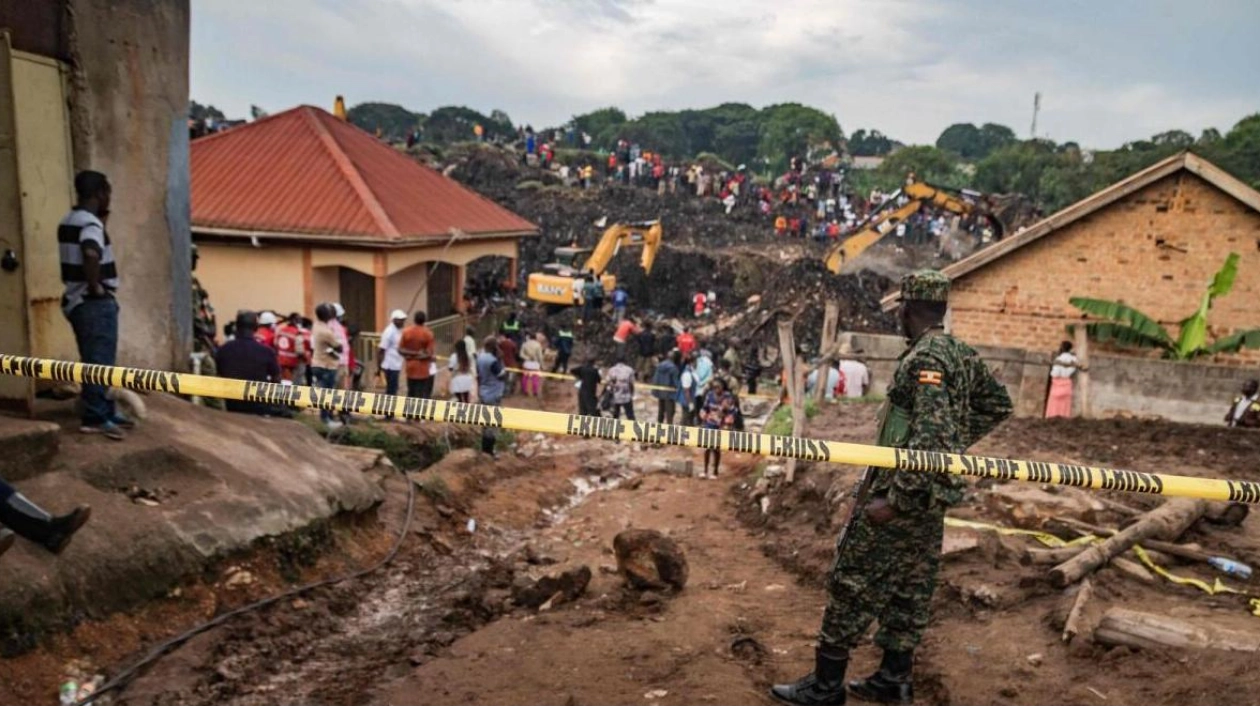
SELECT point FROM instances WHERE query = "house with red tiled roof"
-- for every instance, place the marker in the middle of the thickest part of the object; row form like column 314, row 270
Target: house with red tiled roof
column 302, row 207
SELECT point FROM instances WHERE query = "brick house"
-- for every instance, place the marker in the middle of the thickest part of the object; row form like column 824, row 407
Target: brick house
column 1152, row 241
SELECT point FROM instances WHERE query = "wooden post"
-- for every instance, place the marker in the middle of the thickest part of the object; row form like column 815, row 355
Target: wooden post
column 793, row 386
column 826, row 342
column 1082, row 374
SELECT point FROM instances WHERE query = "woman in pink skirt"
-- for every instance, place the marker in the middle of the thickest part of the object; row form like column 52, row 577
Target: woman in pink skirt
column 1059, row 403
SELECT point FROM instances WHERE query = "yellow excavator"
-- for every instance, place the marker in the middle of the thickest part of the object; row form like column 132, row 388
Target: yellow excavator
column 885, row 219
column 561, row 282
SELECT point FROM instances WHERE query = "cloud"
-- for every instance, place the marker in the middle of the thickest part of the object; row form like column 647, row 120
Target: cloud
column 1108, row 72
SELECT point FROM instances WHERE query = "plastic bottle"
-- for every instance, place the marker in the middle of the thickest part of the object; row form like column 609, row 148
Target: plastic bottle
column 69, row 692
column 1230, row 567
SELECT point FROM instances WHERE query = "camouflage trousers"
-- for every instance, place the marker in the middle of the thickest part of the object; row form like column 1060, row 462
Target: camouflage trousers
column 885, row 573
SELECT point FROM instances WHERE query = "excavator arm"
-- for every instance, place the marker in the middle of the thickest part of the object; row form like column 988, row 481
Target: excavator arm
column 560, row 285
column 646, row 234
column 920, row 194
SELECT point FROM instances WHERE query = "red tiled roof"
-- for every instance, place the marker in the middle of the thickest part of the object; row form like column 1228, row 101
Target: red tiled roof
column 307, row 173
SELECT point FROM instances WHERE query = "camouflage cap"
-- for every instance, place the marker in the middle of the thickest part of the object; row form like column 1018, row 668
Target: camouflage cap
column 925, row 286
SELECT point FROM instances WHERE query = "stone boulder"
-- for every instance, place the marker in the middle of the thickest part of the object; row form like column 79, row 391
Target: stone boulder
column 553, row 589
column 650, row 561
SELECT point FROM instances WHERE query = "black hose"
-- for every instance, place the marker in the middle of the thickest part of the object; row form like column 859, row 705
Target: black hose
column 163, row 648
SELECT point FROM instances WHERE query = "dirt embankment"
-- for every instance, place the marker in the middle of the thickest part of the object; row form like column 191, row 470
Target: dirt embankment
column 995, row 634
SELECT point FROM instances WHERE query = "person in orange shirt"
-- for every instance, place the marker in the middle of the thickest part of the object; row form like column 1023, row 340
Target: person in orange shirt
column 417, row 347
column 780, row 225
column 626, row 328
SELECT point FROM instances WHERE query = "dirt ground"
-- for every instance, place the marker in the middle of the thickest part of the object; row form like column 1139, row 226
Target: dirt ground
column 438, row 626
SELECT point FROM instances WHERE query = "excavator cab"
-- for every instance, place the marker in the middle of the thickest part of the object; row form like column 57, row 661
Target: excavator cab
column 568, row 261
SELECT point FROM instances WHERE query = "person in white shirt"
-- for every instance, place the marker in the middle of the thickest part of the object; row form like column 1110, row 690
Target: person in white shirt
column 388, row 360
column 857, row 377
column 1066, row 364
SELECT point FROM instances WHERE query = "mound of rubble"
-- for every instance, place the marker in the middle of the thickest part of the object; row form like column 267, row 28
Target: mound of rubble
column 737, row 256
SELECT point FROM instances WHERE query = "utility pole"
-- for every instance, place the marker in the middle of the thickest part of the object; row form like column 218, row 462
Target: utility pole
column 1032, row 132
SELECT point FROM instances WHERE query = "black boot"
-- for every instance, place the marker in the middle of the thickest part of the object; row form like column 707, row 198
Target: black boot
column 35, row 524
column 824, row 686
column 890, row 685
column 6, row 540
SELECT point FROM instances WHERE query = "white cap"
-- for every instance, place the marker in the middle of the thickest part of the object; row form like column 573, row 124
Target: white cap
column 339, row 310
column 398, row 314
column 267, row 319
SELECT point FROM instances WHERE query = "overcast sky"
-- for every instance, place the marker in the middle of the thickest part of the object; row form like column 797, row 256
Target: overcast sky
column 1107, row 71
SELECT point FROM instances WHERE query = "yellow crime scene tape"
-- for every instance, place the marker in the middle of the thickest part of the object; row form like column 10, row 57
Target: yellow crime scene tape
column 637, row 385
column 802, row 448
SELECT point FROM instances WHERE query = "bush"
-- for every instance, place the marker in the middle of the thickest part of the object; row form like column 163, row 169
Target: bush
column 780, row 422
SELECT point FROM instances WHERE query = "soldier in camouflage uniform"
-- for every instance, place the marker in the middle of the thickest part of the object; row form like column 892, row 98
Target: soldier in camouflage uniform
column 204, row 329
column 943, row 398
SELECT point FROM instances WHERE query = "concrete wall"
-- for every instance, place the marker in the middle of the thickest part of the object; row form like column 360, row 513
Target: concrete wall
column 1119, row 385
column 128, row 103
column 1155, row 250
column 402, row 288
column 241, row 277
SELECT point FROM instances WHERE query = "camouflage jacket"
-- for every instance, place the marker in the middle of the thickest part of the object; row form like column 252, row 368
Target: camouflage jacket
column 203, row 317
column 946, row 399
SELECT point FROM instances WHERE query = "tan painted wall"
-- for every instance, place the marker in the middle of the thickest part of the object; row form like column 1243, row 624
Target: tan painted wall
column 243, row 277
column 326, row 284
column 402, row 286
column 457, row 254
column 1021, row 300
column 354, row 258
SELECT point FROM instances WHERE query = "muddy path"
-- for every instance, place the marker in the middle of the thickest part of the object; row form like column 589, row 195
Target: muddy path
column 439, row 626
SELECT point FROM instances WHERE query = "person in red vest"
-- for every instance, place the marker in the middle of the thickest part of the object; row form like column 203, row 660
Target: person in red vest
column 266, row 333
column 612, row 164
column 686, row 343
column 290, row 348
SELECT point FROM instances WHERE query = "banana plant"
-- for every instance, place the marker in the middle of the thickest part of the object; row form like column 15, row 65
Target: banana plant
column 1127, row 327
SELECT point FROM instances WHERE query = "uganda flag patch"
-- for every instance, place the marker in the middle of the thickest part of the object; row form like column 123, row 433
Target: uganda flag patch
column 930, row 377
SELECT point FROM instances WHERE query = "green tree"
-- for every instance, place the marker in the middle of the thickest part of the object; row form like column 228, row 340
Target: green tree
column 790, row 129
column 872, row 143
column 1239, row 151
column 737, row 141
column 598, row 122
column 393, row 120
column 994, row 136
column 964, row 140
column 1017, row 167
column 196, row 111
column 929, row 164
column 1127, row 327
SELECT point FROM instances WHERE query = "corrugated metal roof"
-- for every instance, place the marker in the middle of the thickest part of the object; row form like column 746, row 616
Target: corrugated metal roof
column 305, row 172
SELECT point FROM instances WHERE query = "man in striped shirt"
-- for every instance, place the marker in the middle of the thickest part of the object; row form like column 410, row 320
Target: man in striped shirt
column 91, row 280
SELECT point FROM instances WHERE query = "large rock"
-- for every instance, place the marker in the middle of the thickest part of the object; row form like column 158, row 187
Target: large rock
column 649, row 560
column 564, row 587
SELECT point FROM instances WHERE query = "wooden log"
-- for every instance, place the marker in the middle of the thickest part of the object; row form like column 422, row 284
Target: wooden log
column 827, row 344
column 1164, row 523
column 1125, row 627
column 1050, row 556
column 1186, row 551
column 792, row 379
column 1229, row 513
column 1076, row 617
column 1082, row 372
column 1134, row 569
